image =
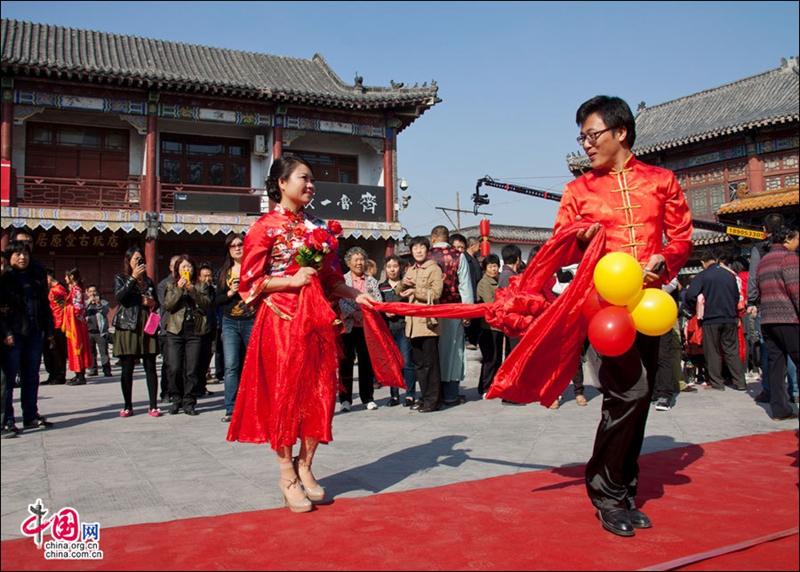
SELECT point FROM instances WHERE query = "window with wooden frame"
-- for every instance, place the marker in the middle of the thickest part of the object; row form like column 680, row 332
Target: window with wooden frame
column 76, row 151
column 780, row 171
column 710, row 187
column 329, row 167
column 205, row 161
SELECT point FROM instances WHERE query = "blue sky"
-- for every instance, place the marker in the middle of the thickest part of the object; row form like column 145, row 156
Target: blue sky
column 510, row 74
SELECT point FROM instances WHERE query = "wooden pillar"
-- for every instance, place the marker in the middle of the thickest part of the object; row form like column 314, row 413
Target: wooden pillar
column 148, row 201
column 755, row 174
column 8, row 194
column 277, row 142
column 6, row 131
column 388, row 174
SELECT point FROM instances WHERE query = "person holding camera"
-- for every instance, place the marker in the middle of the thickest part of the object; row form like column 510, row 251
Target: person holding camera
column 237, row 319
column 99, row 336
column 186, row 302
column 136, row 294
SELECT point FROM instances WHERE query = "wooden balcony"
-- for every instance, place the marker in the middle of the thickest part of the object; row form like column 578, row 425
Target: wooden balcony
column 97, row 194
column 92, row 194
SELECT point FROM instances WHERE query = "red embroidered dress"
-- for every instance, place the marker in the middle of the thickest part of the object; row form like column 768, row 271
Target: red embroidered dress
column 290, row 375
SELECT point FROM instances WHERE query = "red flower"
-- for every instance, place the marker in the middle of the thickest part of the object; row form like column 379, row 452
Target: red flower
column 333, row 242
column 335, row 227
column 318, row 238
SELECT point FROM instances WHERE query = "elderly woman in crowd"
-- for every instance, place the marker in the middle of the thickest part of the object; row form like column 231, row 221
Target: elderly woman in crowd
column 354, row 342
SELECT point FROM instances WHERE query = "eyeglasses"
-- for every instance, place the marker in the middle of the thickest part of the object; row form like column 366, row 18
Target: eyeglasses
column 236, row 245
column 592, row 136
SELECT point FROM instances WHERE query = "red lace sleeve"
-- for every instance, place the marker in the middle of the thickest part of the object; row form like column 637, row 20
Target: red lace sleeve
column 258, row 244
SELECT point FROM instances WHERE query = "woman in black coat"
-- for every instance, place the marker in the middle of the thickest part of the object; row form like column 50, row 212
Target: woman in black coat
column 136, row 294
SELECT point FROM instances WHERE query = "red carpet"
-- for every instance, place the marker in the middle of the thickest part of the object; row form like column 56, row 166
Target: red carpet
column 703, row 500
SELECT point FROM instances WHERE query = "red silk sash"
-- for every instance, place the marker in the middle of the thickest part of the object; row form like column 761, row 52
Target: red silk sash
column 544, row 362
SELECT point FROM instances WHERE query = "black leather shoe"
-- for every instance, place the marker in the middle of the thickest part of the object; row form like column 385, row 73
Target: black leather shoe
column 36, row 423
column 761, row 398
column 639, row 519
column 175, row 409
column 616, row 520
column 190, row 410
column 393, row 402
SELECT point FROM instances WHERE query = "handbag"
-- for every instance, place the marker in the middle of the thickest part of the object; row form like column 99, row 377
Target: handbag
column 430, row 321
column 151, row 327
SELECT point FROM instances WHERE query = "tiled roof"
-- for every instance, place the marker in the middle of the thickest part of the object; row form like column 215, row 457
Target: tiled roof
column 764, row 99
column 768, row 98
column 535, row 235
column 763, row 201
column 512, row 234
column 56, row 51
column 705, row 237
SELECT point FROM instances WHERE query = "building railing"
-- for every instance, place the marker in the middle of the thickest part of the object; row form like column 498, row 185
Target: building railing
column 102, row 194
column 93, row 194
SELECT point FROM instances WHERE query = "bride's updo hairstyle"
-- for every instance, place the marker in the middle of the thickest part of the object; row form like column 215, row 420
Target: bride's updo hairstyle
column 282, row 169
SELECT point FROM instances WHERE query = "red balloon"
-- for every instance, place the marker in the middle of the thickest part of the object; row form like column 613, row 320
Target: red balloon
column 612, row 331
column 484, row 227
column 593, row 304
column 486, row 248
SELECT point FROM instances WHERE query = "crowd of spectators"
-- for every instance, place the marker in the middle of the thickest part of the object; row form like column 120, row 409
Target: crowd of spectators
column 196, row 320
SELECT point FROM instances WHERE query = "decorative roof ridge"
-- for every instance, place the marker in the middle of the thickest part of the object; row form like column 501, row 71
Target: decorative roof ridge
column 159, row 41
column 774, row 191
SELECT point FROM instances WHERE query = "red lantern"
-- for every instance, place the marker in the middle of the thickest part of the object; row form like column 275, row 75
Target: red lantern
column 484, row 228
column 612, row 331
column 486, row 248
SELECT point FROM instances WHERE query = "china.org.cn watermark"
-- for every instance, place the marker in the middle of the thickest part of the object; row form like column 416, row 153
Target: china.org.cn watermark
column 71, row 538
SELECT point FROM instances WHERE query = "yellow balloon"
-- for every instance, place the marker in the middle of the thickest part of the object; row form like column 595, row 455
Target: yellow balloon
column 618, row 278
column 654, row 312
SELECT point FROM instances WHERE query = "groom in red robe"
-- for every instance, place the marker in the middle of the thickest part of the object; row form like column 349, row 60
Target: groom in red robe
column 638, row 206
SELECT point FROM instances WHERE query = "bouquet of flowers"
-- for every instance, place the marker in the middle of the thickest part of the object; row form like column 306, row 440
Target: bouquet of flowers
column 318, row 244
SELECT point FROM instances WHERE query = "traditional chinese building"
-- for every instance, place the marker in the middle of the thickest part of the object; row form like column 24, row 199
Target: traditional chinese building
column 111, row 140
column 733, row 148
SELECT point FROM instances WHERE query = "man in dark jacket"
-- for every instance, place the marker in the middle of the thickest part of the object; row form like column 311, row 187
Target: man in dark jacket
column 29, row 325
column 720, row 338
column 162, row 330
column 460, row 243
column 207, row 340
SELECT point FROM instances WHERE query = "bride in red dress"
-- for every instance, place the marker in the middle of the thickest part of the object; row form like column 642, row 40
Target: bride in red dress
column 289, row 381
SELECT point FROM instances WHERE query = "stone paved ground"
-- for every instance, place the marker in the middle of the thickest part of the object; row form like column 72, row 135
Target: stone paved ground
column 141, row 469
